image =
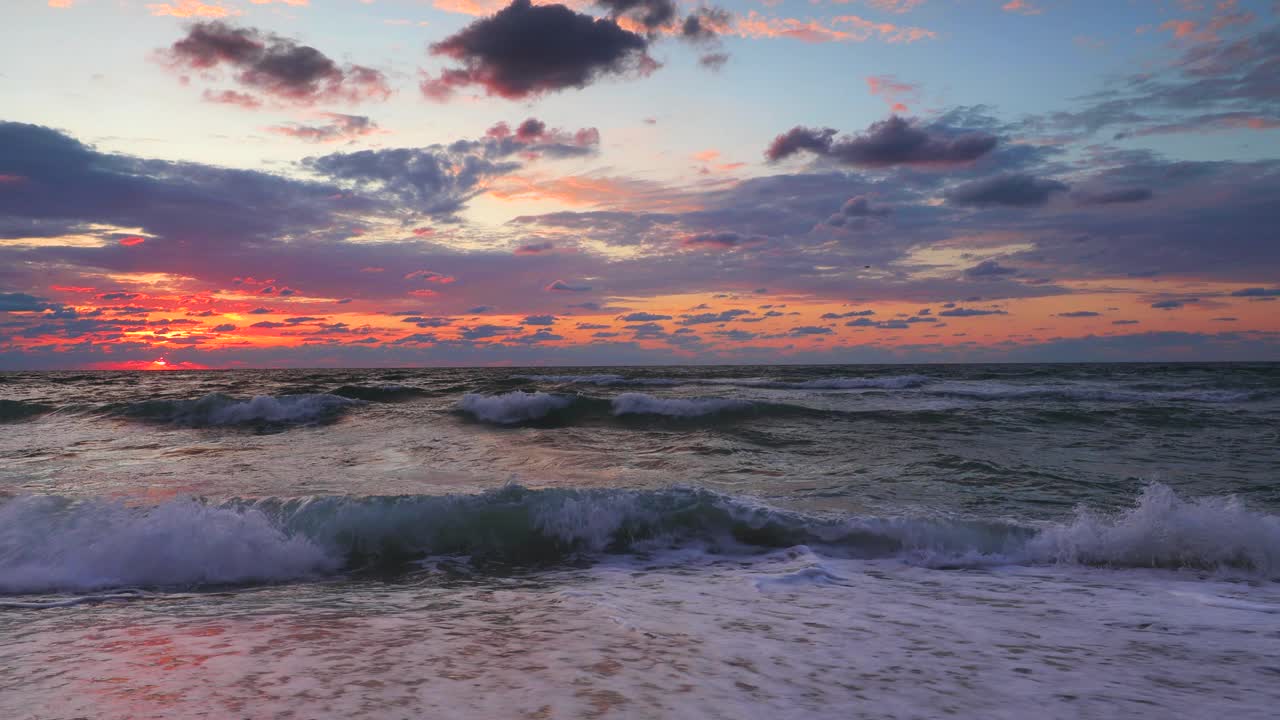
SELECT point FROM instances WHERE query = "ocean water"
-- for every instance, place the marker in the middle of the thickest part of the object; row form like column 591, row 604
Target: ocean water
column 1053, row 541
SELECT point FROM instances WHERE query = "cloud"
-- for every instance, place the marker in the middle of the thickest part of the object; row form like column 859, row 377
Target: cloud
column 21, row 302
column 1173, row 304
column 535, row 248
column 713, row 61
column 276, row 66
column 434, row 180
column 887, row 143
column 1079, row 314
column 712, row 317
column 1015, row 190
column 189, row 8
column 841, row 28
column 339, row 127
column 651, row 14
column 1254, row 292
column 532, row 138
column 969, row 312
column 812, row 330
column 562, row 286
column 719, row 240
column 538, row 320
column 1113, row 197
column 527, row 50
column 644, row 317
column 857, row 208
column 705, row 25
column 989, row 269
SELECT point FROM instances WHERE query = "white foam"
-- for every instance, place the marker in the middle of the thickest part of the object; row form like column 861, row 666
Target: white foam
column 643, row 404
column 52, row 544
column 1163, row 530
column 513, row 407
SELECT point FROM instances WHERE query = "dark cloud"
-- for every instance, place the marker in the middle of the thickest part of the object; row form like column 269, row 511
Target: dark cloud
column 1079, row 314
column 709, row 318
column 652, row 14
column 855, row 209
column 970, row 312
column 21, row 302
column 538, row 320
column 705, row 24
column 532, row 138
column 526, row 50
column 1113, row 197
column 562, row 286
column 275, row 66
column 1173, row 304
column 224, row 328
column 713, row 61
column 1014, row 190
column 1257, row 292
column 887, row 143
column 812, row 330
column 535, row 248
column 988, row 269
column 433, row 180
column 644, row 317
column 339, row 127
column 722, row 240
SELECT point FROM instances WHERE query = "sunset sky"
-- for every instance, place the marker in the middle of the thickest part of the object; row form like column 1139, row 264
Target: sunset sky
column 275, row 183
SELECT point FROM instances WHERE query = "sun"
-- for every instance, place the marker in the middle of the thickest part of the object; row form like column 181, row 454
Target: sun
column 160, row 363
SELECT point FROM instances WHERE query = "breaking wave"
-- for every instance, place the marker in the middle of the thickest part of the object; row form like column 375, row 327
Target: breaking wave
column 52, row 543
column 513, row 407
column 520, row 407
column 895, row 382
column 642, row 404
column 216, row 410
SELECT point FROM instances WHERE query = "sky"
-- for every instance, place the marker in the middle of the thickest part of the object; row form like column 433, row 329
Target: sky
column 370, row 183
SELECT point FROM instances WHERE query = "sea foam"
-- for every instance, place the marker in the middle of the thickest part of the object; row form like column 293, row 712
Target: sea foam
column 513, row 407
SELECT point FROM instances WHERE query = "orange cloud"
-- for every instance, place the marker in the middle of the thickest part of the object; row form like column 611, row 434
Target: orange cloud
column 893, row 92
column 614, row 192
column 132, row 240
column 843, row 28
column 191, row 8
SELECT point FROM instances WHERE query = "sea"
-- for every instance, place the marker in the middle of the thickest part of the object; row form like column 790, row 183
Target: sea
column 972, row 541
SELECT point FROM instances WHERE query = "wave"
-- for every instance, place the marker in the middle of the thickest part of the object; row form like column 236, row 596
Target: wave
column 1090, row 393
column 54, row 544
column 12, row 411
column 513, row 407
column 642, row 404
column 520, row 407
column 895, row 382
column 216, row 409
column 380, row 393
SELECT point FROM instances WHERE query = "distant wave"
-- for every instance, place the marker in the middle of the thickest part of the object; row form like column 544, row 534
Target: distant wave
column 1088, row 393
column 215, row 409
column 841, row 383
column 12, row 411
column 518, row 406
column 642, row 404
column 58, row 544
column 380, row 393
column 513, row 407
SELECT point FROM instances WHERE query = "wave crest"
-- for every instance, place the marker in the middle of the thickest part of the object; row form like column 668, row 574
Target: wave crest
column 216, row 409
column 57, row 544
column 514, row 407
